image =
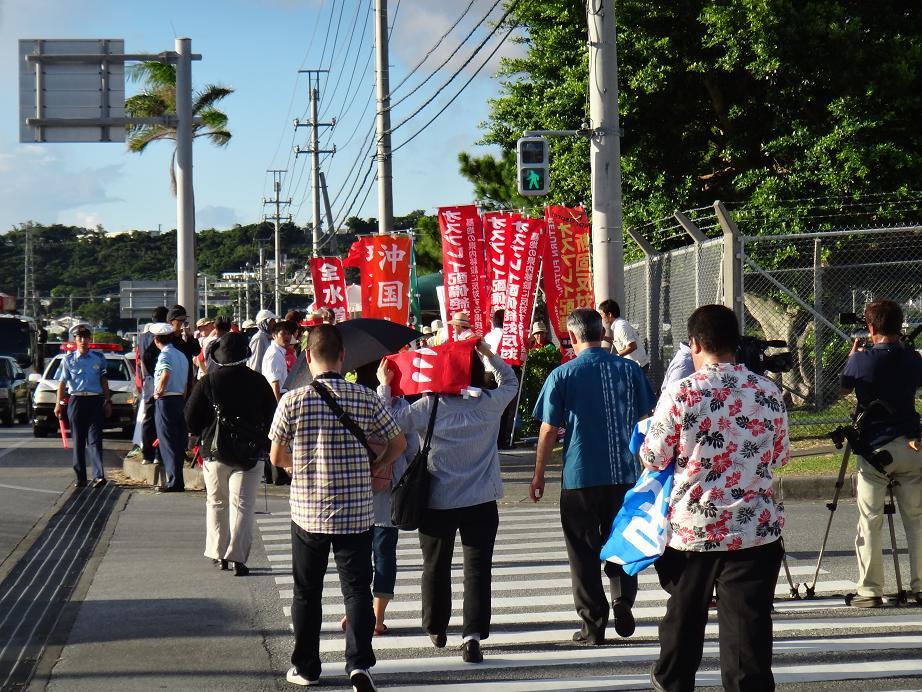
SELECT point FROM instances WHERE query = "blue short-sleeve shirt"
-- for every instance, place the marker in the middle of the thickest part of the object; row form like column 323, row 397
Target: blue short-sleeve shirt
column 598, row 397
column 83, row 373
column 174, row 361
column 891, row 373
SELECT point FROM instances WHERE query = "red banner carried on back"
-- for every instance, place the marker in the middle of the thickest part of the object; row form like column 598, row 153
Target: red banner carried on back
column 329, row 285
column 567, row 275
column 384, row 265
column 463, row 265
column 526, row 245
column 497, row 229
column 444, row 369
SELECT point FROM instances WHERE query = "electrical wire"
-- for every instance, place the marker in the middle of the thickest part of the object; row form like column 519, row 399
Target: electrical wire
column 455, row 51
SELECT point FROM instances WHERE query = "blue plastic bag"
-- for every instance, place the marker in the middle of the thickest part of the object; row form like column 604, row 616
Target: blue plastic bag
column 640, row 532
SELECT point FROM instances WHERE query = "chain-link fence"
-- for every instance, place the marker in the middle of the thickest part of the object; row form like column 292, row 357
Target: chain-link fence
column 799, row 287
column 794, row 288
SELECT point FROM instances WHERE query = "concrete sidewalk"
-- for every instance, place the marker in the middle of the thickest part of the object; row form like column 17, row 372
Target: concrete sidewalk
column 159, row 615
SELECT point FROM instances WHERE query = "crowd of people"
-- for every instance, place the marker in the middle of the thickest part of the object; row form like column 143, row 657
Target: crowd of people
column 722, row 427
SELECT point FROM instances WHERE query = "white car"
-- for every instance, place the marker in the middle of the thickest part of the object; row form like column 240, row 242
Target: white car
column 122, row 387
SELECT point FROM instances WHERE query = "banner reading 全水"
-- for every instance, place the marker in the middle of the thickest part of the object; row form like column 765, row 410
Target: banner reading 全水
column 329, row 285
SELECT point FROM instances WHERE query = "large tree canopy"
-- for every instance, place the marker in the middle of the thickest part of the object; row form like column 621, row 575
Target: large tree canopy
column 751, row 102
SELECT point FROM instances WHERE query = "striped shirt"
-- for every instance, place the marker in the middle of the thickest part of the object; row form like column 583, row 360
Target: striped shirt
column 331, row 476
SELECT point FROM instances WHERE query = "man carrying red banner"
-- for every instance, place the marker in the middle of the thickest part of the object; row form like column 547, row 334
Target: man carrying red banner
column 465, row 485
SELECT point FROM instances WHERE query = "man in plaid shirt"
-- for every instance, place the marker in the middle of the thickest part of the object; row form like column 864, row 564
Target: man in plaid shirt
column 331, row 504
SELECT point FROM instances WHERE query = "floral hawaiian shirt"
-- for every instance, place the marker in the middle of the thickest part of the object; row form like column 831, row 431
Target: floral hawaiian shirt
column 725, row 428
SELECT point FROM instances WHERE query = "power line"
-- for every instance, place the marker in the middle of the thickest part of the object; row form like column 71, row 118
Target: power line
column 453, row 98
column 479, row 47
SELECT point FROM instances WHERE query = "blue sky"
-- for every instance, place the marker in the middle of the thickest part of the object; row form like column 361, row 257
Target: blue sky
column 256, row 47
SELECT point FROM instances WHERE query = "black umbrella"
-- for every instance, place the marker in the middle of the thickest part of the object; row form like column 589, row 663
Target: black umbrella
column 365, row 340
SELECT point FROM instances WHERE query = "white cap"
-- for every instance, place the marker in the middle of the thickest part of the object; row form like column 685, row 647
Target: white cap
column 264, row 315
column 160, row 329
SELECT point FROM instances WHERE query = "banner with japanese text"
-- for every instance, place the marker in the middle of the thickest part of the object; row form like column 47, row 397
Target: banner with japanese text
column 384, row 264
column 329, row 285
column 464, row 266
column 567, row 271
column 497, row 229
column 526, row 245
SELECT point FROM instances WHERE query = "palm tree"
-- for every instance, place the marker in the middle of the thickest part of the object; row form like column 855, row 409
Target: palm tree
column 159, row 98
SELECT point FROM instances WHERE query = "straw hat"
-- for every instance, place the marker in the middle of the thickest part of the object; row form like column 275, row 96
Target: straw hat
column 461, row 319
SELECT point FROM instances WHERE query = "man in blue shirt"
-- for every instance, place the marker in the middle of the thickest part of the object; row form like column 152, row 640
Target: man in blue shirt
column 171, row 375
column 891, row 373
column 83, row 372
column 598, row 397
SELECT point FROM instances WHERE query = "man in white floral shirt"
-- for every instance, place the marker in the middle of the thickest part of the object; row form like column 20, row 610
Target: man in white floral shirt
column 726, row 429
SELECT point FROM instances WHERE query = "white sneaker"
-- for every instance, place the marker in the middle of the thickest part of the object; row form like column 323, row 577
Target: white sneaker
column 295, row 678
column 361, row 681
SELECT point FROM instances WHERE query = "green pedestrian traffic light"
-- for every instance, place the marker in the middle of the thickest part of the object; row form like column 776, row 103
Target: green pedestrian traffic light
column 533, row 160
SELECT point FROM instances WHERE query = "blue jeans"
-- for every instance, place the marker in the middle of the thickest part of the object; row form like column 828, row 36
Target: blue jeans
column 310, row 553
column 171, row 431
column 384, row 551
column 86, row 421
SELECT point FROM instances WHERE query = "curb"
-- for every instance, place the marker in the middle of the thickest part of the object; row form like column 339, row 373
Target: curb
column 152, row 474
column 814, row 487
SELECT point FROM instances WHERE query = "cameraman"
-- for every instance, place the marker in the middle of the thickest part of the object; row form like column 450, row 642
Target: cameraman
column 891, row 373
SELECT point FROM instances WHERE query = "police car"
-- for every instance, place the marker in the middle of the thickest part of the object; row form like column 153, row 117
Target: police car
column 122, row 388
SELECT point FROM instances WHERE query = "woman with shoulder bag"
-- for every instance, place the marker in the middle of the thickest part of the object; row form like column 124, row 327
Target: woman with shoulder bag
column 231, row 409
column 464, row 487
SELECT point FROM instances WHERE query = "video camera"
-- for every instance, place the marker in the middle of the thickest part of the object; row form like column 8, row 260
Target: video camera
column 853, row 319
column 852, row 433
column 751, row 353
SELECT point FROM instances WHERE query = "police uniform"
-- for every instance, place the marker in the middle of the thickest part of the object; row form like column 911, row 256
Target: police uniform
column 171, row 424
column 83, row 375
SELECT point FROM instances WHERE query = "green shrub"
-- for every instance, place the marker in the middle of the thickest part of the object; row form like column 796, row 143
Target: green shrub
column 539, row 365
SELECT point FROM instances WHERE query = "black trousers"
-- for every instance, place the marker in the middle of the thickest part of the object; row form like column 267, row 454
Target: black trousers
column 477, row 525
column 310, row 553
column 86, row 417
column 745, row 581
column 586, row 515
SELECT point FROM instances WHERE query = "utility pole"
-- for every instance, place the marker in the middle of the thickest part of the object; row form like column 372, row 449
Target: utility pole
column 262, row 266
column 185, row 205
column 28, row 283
column 334, row 242
column 277, row 218
column 246, row 278
column 383, row 89
column 315, row 151
column 605, row 155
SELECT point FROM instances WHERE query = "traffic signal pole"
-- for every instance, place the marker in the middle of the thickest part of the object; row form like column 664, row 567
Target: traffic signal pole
column 605, row 155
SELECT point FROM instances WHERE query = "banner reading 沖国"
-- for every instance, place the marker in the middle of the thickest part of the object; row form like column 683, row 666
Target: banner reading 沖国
column 524, row 263
column 329, row 285
column 497, row 229
column 463, row 265
column 384, row 264
column 567, row 273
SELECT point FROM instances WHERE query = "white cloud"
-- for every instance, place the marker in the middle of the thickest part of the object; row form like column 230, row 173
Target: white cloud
column 215, row 217
column 37, row 185
column 86, row 219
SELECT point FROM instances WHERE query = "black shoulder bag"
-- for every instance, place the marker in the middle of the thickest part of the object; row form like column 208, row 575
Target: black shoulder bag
column 410, row 497
column 235, row 441
column 344, row 418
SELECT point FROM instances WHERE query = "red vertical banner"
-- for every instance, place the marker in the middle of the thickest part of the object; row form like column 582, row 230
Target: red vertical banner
column 526, row 246
column 463, row 265
column 384, row 264
column 497, row 229
column 567, row 275
column 330, row 285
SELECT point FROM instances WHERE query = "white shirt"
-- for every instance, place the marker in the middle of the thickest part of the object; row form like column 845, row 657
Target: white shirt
column 623, row 333
column 493, row 338
column 274, row 367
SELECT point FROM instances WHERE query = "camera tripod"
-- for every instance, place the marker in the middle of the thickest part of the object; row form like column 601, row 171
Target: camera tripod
column 901, row 596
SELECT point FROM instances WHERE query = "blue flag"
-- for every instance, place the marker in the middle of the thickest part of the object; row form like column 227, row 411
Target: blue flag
column 640, row 531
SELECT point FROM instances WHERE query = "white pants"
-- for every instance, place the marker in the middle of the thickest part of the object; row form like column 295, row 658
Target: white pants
column 906, row 472
column 231, row 498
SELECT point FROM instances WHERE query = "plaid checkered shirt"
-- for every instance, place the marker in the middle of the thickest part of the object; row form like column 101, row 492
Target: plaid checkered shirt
column 331, row 477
